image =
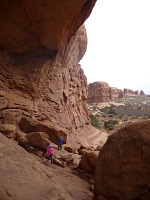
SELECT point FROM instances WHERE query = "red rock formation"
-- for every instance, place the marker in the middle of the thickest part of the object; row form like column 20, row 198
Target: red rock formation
column 142, row 93
column 120, row 94
column 40, row 28
column 24, row 176
column 136, row 92
column 102, row 92
column 127, row 92
column 114, row 92
column 99, row 92
column 37, row 90
column 123, row 167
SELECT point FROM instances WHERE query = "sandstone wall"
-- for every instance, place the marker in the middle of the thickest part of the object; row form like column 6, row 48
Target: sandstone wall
column 42, row 86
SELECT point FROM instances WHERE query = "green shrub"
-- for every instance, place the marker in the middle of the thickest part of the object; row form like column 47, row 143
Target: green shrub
column 110, row 124
column 108, row 110
column 94, row 120
column 111, row 111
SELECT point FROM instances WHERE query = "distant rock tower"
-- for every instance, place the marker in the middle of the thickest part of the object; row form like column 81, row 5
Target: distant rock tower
column 142, row 93
column 99, row 92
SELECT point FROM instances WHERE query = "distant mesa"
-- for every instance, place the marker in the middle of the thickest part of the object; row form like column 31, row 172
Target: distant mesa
column 100, row 91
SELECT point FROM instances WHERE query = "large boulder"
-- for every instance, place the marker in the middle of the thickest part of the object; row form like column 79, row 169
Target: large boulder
column 38, row 139
column 8, row 130
column 123, row 167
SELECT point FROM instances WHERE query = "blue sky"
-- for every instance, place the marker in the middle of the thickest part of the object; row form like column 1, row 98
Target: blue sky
column 118, row 50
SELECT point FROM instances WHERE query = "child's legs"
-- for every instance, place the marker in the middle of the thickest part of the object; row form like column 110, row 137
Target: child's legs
column 51, row 158
column 59, row 146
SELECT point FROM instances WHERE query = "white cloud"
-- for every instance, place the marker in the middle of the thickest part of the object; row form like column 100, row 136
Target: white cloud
column 118, row 49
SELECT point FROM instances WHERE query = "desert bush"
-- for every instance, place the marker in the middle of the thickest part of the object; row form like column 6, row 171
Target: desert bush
column 110, row 124
column 111, row 111
column 94, row 120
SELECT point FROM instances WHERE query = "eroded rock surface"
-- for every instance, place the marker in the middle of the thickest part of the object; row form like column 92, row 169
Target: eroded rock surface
column 40, row 28
column 123, row 166
column 42, row 86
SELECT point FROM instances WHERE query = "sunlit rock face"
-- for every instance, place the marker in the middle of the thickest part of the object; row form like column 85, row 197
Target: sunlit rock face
column 41, row 44
column 123, row 167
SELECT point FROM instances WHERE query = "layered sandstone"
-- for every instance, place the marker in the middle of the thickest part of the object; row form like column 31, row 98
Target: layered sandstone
column 42, row 86
column 128, row 92
column 115, row 92
column 99, row 92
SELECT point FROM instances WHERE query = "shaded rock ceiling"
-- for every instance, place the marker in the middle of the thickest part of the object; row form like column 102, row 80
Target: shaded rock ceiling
column 40, row 27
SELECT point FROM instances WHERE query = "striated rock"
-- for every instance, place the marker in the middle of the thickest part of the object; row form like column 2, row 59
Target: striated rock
column 41, row 44
column 123, row 167
column 99, row 92
column 47, row 96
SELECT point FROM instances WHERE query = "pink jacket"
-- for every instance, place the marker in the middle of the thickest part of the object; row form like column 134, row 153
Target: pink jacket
column 50, row 151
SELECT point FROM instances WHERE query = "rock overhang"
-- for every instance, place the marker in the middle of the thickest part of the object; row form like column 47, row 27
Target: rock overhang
column 31, row 28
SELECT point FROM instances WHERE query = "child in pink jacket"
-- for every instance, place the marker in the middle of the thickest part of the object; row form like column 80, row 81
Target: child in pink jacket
column 50, row 153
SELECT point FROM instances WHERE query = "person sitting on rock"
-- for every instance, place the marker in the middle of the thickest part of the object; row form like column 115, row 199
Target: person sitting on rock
column 60, row 141
column 50, row 153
